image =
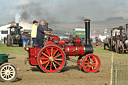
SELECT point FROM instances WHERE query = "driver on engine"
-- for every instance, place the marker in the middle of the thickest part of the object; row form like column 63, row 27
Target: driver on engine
column 41, row 33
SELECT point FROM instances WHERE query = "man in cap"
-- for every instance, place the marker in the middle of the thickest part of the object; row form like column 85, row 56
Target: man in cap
column 41, row 33
column 34, row 32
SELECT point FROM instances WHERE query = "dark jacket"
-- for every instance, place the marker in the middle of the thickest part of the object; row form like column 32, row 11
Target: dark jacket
column 40, row 31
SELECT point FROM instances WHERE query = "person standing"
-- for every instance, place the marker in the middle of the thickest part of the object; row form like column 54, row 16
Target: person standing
column 25, row 40
column 34, row 33
column 41, row 33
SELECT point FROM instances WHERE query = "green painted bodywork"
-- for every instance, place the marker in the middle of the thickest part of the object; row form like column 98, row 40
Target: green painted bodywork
column 3, row 58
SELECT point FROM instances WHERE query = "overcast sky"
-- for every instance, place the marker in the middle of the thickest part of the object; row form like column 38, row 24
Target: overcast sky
column 62, row 10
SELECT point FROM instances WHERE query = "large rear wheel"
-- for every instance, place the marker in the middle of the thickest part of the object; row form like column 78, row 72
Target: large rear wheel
column 9, row 40
column 51, row 59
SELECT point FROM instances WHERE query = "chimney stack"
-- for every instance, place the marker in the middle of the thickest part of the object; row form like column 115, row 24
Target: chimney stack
column 46, row 26
column 127, row 30
column 121, row 28
column 87, row 31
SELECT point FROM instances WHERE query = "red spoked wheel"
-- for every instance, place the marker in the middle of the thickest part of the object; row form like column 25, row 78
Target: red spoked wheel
column 91, row 63
column 51, row 59
column 79, row 62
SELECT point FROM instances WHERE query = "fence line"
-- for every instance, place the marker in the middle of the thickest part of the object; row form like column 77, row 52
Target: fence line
column 120, row 73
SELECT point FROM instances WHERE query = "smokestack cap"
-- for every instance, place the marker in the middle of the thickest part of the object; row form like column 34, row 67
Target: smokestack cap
column 87, row 20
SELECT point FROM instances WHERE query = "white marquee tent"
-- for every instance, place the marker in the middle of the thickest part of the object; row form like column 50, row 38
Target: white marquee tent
column 4, row 29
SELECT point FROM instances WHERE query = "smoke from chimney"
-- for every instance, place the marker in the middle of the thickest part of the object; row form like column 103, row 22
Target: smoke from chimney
column 33, row 10
column 17, row 18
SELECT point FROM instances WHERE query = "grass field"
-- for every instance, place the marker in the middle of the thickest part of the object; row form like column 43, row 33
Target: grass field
column 30, row 75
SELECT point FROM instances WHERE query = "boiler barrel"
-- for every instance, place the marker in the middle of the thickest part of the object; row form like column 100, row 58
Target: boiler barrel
column 78, row 50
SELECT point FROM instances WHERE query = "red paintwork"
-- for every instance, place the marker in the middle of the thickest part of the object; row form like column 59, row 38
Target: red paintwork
column 33, row 52
column 61, row 43
column 99, row 44
column 69, row 47
column 68, row 41
column 77, row 41
column 49, row 66
column 49, row 43
column 53, row 37
column 72, row 50
column 91, row 63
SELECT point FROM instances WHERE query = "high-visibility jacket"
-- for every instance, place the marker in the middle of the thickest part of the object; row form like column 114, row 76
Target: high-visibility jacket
column 34, row 31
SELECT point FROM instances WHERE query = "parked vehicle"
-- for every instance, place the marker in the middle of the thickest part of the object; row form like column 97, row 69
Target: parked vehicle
column 118, row 41
column 8, row 71
column 15, row 36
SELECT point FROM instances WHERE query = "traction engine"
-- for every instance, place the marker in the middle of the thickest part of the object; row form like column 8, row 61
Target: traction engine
column 52, row 57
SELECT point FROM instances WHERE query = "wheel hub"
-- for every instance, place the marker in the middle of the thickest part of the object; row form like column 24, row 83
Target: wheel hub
column 91, row 63
column 51, row 58
column 7, row 72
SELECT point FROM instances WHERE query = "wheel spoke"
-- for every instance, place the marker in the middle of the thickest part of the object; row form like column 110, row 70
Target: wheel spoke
column 3, row 71
column 59, row 59
column 51, row 66
column 57, row 56
column 10, row 76
column 4, row 76
column 57, row 63
column 94, row 62
column 91, row 63
column 47, row 65
column 51, row 59
column 51, row 51
column 93, row 59
column 45, row 62
column 94, row 65
column 44, row 58
column 90, row 68
column 54, row 65
column 11, row 71
column 47, row 51
column 45, row 55
column 87, row 66
column 5, row 68
column 87, row 60
column 55, row 52
column 86, row 63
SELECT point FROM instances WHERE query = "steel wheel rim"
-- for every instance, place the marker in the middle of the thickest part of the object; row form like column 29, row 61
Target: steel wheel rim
column 7, row 72
column 51, row 59
column 91, row 63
